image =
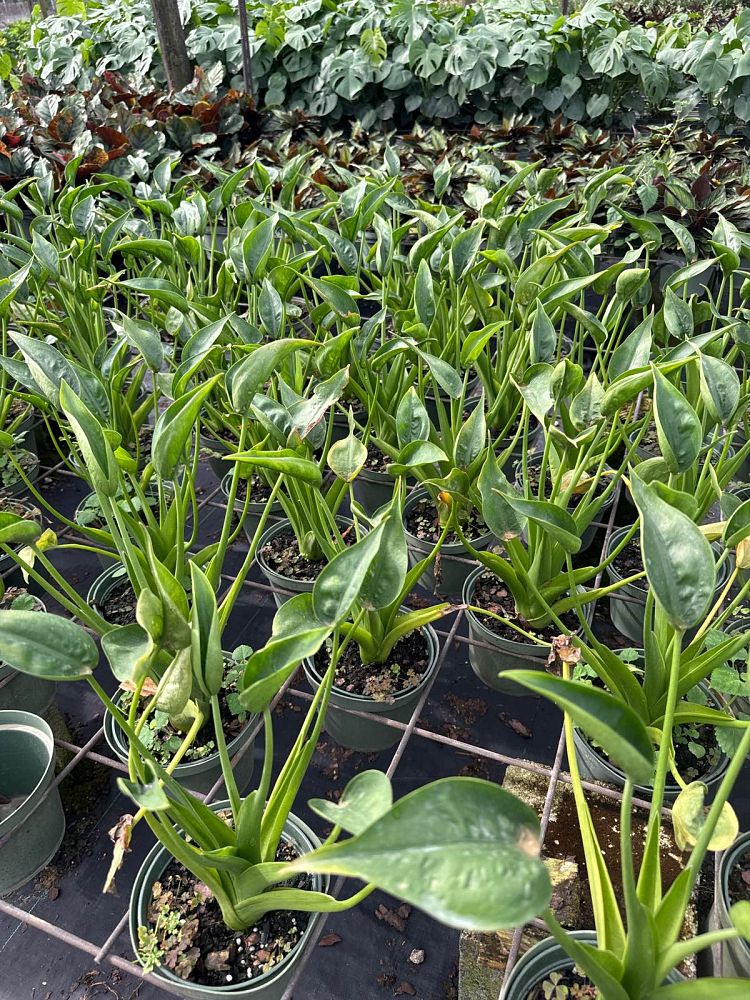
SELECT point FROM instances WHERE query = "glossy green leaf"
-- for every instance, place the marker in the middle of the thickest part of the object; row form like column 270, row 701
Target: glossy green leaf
column 737, row 525
column 543, row 337
column 689, row 818
column 58, row 651
column 366, row 798
column 677, row 558
column 678, row 316
column 207, row 655
column 677, row 425
column 308, row 412
column 720, row 388
column 739, row 914
column 414, row 454
column 149, row 613
column 339, row 583
column 412, row 421
column 250, row 374
column 92, row 442
column 129, row 650
column 15, row 530
column 703, row 989
column 471, row 437
column 633, row 352
column 285, row 462
column 175, row 427
column 462, row 849
column 386, row 575
column 556, row 522
column 144, row 338
column 269, row 667
column 347, row 457
column 499, row 516
column 464, row 250
column 424, row 295
column 150, row 797
column 256, row 248
column 607, row 720
column 178, row 683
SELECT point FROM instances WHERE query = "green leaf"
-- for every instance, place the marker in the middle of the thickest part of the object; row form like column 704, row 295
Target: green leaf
column 555, row 521
column 633, row 352
column 178, row 683
column 175, row 426
column 207, row 655
column 604, row 718
column 414, row 454
column 499, row 516
column 366, row 798
column 471, row 437
column 424, row 295
column 256, row 248
column 543, row 337
column 285, row 462
column 689, row 818
column 412, row 421
column 15, row 530
column 250, row 375
column 677, row 558
column 739, row 914
column 144, row 338
column 95, row 450
column 269, row 667
column 150, row 797
column 271, row 309
column 677, row 425
column 338, row 585
column 703, row 989
column 678, row 316
column 462, row 849
column 720, row 388
column 347, row 457
column 386, row 576
column 464, row 250
column 58, row 651
column 129, row 650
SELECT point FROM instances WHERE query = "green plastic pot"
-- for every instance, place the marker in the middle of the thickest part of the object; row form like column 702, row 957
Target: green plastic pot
column 448, row 573
column 505, row 654
column 735, row 953
column 254, row 510
column 32, row 826
column 104, row 583
column 283, row 587
column 216, row 461
column 197, row 775
column 368, row 735
column 627, row 605
column 594, row 767
column 25, row 692
column 547, row 957
column 270, row 986
column 373, row 489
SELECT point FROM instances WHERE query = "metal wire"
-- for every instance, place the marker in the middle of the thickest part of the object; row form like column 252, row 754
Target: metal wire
column 103, row 952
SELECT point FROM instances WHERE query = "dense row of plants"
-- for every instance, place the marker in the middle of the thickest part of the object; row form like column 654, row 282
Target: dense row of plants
column 385, row 63
column 393, row 393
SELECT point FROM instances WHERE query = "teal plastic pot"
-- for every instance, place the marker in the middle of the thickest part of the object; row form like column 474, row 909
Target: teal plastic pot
column 32, row 824
column 368, row 735
column 627, row 605
column 504, row 654
column 254, row 510
column 283, row 587
column 24, row 692
column 196, row 775
column 270, row 986
column 448, row 573
column 735, row 953
column 546, row 957
column 594, row 767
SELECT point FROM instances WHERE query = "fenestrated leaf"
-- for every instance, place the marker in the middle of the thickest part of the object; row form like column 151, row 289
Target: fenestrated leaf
column 677, row 425
column 175, row 426
column 269, row 667
column 366, row 798
column 339, row 583
column 15, row 530
column 462, row 849
column 58, row 651
column 603, row 717
column 129, row 650
column 677, row 558
column 689, row 818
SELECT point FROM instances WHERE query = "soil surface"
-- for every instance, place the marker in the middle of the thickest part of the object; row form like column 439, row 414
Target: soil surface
column 260, row 491
column 557, row 983
column 403, row 669
column 376, row 461
column 196, row 944
column 422, row 522
column 630, row 561
column 739, row 879
column 491, row 594
column 281, row 554
column 533, row 476
column 118, row 607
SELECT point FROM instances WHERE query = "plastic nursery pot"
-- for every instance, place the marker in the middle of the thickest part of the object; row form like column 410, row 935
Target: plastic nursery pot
column 104, row 584
column 254, row 509
column 448, row 573
column 197, row 775
column 269, row 986
column 30, row 463
column 627, row 605
column 589, row 533
column 594, row 767
column 216, row 461
column 735, row 953
column 25, row 692
column 547, row 957
column 372, row 489
column 367, row 735
column 32, row 823
column 284, row 587
column 504, row 654
column 473, row 391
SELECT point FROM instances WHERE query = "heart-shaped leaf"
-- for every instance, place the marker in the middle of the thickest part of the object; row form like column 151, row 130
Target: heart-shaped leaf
column 366, row 798
column 58, row 651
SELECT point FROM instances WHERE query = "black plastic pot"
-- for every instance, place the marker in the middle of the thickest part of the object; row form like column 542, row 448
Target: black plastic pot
column 216, row 449
column 270, row 986
column 735, row 954
column 627, row 605
column 31, row 830
column 365, row 734
column 504, row 654
column 453, row 565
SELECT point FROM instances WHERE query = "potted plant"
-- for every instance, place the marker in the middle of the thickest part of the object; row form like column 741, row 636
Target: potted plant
column 20, row 691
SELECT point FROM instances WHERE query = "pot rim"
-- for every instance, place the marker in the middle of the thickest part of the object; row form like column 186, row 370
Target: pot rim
column 254, row 505
column 449, row 548
column 284, row 524
column 36, row 726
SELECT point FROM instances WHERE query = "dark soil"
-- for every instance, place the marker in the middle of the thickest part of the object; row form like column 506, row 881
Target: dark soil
column 403, row 669
column 533, row 475
column 118, row 607
column 260, row 491
column 630, row 561
column 20, row 509
column 491, row 594
column 281, row 554
column 556, row 983
column 203, row 949
column 422, row 522
column 376, row 461
column 739, row 879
